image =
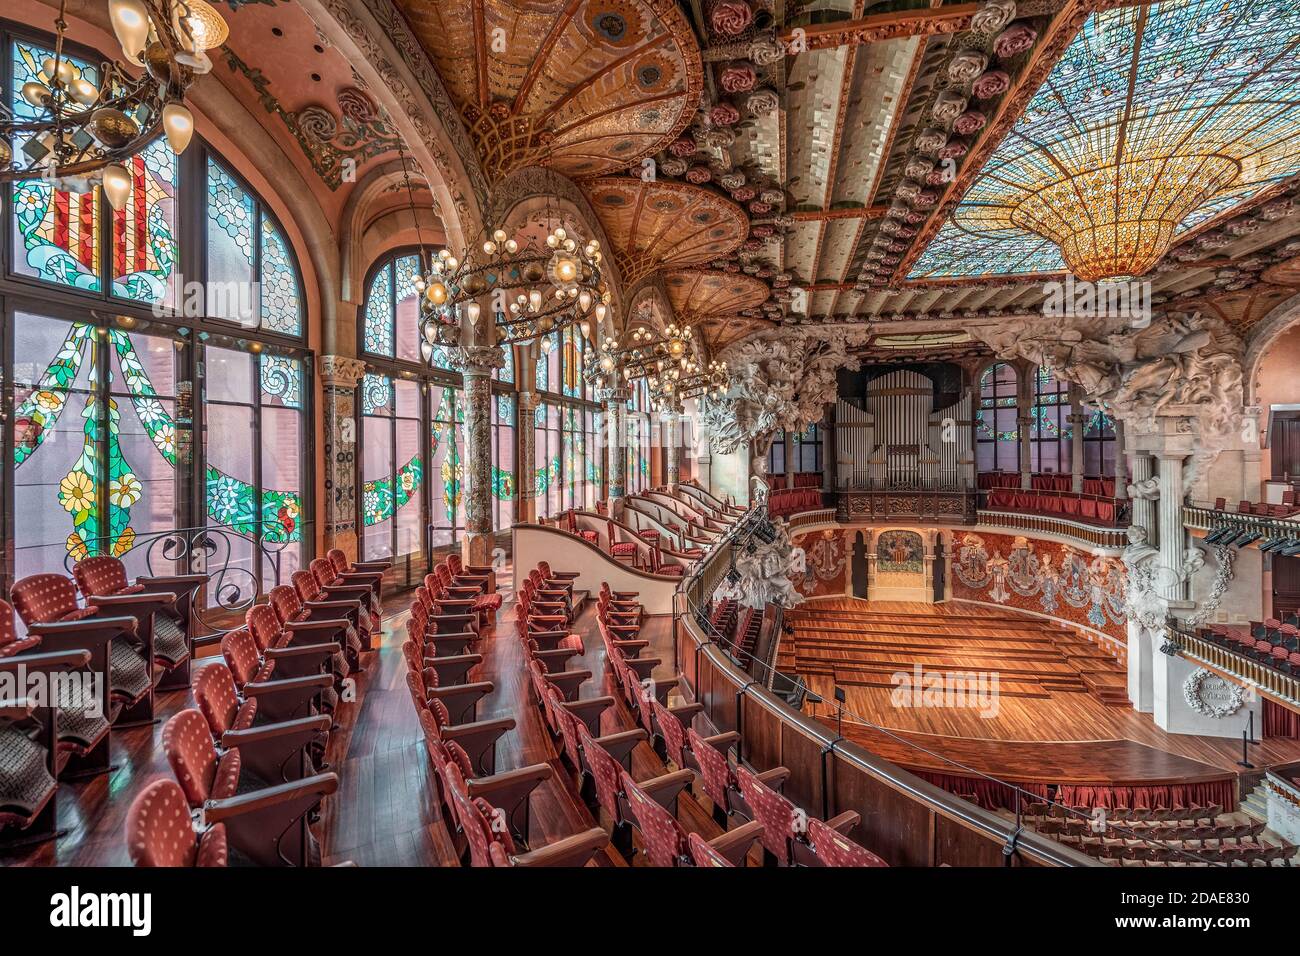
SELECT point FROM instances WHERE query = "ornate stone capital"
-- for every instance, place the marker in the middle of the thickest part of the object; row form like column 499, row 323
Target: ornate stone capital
column 527, row 402
column 340, row 371
column 478, row 359
column 614, row 395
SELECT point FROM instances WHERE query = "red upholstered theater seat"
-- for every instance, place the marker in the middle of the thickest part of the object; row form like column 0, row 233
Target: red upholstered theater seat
column 160, row 831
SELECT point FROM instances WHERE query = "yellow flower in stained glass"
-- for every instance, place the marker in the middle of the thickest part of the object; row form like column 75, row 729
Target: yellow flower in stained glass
column 76, row 546
column 49, row 400
column 124, row 491
column 77, row 492
column 125, row 541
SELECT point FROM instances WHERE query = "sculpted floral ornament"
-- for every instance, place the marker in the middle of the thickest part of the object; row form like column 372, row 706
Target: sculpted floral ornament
column 993, row 16
column 1209, row 694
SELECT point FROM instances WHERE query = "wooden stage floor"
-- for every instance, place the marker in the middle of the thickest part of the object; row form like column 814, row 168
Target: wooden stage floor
column 1058, row 716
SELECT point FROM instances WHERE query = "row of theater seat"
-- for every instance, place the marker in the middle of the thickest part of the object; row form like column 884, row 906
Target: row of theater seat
column 1270, row 643
column 1286, row 509
column 248, row 761
column 250, row 752
column 489, row 810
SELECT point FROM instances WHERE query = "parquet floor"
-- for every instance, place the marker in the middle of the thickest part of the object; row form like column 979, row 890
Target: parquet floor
column 1054, row 686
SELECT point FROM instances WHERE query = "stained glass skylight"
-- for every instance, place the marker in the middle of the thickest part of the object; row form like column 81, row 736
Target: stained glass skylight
column 1182, row 110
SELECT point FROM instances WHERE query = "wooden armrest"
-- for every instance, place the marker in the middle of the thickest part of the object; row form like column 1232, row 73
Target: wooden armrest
column 663, row 789
column 735, row 844
column 575, row 850
column 774, row 778
column 589, row 710
column 620, row 745
column 568, row 682
column 320, row 785
column 141, row 601
column 285, row 728
column 845, row 822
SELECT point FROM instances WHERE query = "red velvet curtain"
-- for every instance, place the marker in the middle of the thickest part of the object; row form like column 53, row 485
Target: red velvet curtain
column 1280, row 722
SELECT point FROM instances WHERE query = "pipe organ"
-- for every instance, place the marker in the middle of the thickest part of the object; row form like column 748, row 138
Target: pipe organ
column 894, row 439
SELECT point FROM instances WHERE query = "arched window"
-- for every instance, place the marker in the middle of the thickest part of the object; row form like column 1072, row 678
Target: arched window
column 997, row 436
column 1051, row 433
column 413, row 438
column 156, row 383
column 1099, row 445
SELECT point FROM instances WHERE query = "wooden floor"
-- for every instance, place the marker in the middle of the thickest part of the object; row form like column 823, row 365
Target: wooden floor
column 1061, row 706
column 385, row 811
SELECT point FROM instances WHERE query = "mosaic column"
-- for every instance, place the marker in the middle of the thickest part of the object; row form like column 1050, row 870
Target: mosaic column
column 674, row 421
column 476, row 363
column 615, row 439
column 788, row 438
column 339, row 379
column 1024, row 424
column 527, row 505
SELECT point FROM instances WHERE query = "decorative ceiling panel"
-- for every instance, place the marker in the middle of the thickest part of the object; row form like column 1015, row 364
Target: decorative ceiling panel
column 662, row 224
column 585, row 86
column 878, row 91
column 697, row 293
column 1190, row 106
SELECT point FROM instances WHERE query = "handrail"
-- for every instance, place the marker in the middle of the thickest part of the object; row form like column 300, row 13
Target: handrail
column 713, row 676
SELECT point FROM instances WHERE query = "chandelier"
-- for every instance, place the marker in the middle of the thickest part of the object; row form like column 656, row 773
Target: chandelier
column 675, row 383
column 536, row 288
column 76, row 125
column 667, row 362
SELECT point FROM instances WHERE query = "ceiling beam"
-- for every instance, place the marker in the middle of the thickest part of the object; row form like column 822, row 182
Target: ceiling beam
column 885, row 26
column 825, row 215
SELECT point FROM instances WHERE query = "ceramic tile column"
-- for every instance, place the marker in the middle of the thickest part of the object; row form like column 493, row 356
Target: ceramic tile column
column 616, row 442
column 527, row 403
column 476, row 363
column 673, row 428
column 340, row 376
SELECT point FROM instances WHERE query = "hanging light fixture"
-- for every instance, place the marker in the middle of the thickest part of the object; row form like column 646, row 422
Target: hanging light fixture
column 538, row 288
column 79, row 122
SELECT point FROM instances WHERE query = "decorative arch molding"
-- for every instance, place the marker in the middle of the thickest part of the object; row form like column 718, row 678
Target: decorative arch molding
column 536, row 187
column 359, row 221
column 1267, row 332
column 649, row 298
column 398, row 73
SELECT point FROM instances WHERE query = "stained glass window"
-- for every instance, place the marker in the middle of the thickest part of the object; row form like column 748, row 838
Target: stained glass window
column 281, row 310
column 378, row 313
column 1051, row 433
column 57, row 232
column 571, row 361
column 392, row 468
column 231, row 251
column 997, row 439
column 144, row 244
column 251, row 272
column 507, row 372
column 1148, row 85
column 446, row 464
column 1099, row 445
column 503, row 461
column 547, row 482
column 255, row 486
column 595, row 467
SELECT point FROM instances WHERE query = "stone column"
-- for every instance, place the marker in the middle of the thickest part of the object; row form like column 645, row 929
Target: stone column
column 616, row 441
column 526, row 506
column 475, row 363
column 1121, row 462
column 673, row 427
column 787, row 436
column 340, row 376
column 1173, row 546
column 1078, row 422
column 1144, row 509
column 1023, row 422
